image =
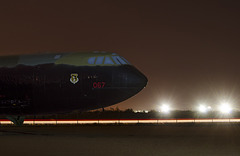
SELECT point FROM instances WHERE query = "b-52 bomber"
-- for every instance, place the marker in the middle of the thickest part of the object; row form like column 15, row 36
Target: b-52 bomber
column 63, row 82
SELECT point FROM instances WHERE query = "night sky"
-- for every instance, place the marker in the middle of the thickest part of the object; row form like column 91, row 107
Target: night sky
column 189, row 50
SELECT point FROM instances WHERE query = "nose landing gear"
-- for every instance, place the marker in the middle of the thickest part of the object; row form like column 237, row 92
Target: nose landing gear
column 17, row 120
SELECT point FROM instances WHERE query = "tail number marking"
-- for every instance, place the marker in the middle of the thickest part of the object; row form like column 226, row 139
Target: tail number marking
column 99, row 84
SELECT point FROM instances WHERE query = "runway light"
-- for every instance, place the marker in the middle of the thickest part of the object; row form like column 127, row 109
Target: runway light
column 165, row 108
column 204, row 108
column 225, row 108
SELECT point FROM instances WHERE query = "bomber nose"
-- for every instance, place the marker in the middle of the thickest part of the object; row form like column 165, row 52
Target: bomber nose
column 135, row 78
column 141, row 79
column 144, row 80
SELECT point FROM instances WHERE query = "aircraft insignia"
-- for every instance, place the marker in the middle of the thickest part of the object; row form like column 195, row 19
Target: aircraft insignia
column 74, row 78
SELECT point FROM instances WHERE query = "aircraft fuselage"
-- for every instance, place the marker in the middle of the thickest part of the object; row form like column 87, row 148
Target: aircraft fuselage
column 50, row 87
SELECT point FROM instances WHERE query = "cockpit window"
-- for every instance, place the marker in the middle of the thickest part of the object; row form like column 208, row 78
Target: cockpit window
column 108, row 60
column 118, row 60
column 115, row 60
column 125, row 60
column 121, row 60
column 100, row 60
column 91, row 60
column 112, row 59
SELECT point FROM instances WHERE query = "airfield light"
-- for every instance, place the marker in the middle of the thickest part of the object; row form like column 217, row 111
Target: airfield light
column 165, row 108
column 204, row 108
column 225, row 108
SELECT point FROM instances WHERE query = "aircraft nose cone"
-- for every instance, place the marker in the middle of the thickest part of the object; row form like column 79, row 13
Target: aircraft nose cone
column 136, row 79
column 141, row 79
column 144, row 81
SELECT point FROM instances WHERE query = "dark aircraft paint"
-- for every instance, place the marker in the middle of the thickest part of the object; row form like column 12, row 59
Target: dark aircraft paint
column 44, row 86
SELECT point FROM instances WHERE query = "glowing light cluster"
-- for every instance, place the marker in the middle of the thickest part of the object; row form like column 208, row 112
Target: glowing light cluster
column 165, row 108
column 225, row 108
column 204, row 108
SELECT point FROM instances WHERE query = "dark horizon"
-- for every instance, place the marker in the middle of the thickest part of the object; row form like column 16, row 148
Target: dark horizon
column 189, row 50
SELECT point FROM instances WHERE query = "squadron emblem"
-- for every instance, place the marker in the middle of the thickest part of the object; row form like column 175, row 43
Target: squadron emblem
column 74, row 78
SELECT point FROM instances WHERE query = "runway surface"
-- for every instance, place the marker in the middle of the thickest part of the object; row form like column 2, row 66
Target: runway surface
column 165, row 139
column 119, row 121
